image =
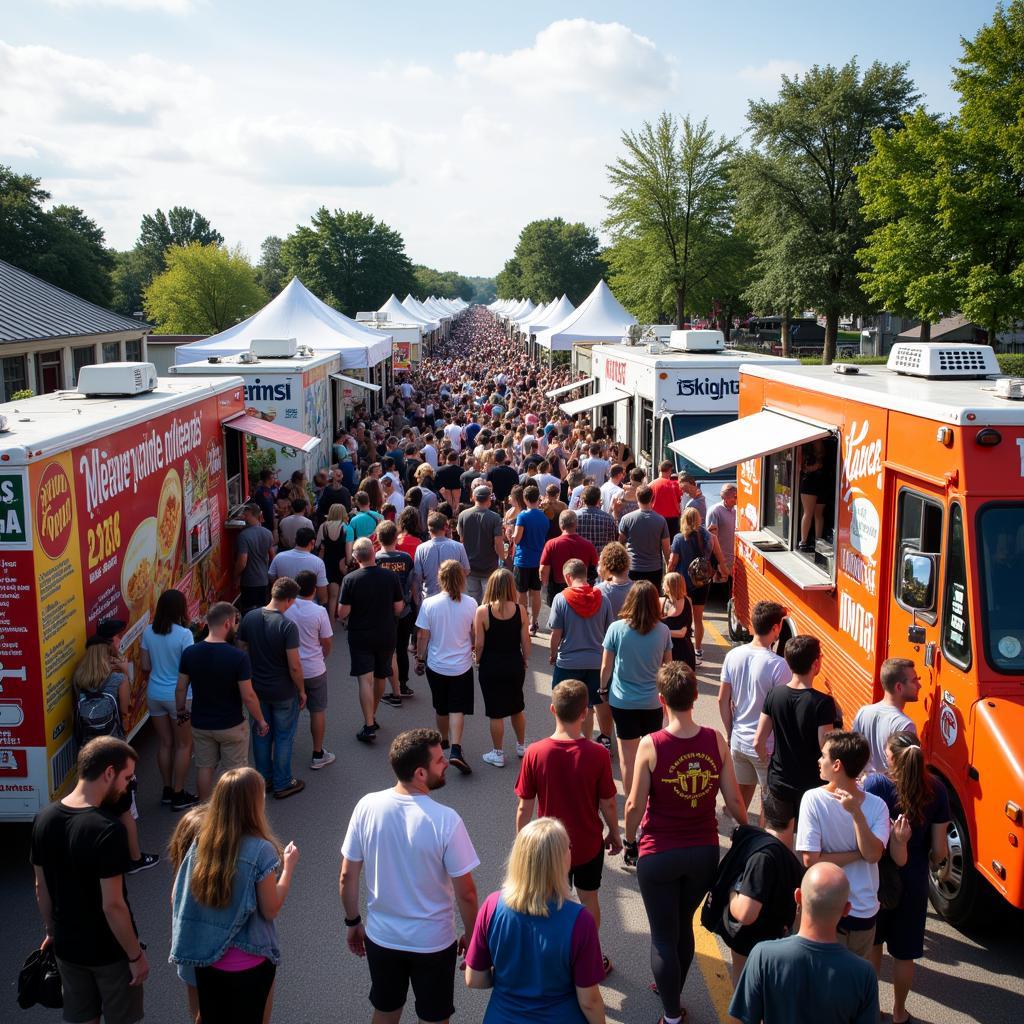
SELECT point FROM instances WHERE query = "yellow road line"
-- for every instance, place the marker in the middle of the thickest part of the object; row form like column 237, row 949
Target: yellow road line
column 710, row 627
column 713, row 967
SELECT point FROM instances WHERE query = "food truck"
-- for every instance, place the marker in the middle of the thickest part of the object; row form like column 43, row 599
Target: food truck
column 883, row 507
column 108, row 496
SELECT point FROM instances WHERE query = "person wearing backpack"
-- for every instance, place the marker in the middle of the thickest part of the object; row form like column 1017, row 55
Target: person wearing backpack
column 695, row 552
column 102, row 697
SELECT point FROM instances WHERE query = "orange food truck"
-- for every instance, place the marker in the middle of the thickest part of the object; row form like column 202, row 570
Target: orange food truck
column 883, row 507
column 108, row 496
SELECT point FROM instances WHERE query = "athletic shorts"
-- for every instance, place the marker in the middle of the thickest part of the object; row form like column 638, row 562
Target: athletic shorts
column 750, row 769
column 590, row 677
column 698, row 595
column 227, row 747
column 160, row 708
column 90, row 991
column 432, row 976
column 588, row 876
column 526, row 578
column 316, row 693
column 451, row 694
column 377, row 663
column 634, row 723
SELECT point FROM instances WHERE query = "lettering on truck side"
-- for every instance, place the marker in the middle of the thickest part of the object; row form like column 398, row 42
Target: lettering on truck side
column 707, row 387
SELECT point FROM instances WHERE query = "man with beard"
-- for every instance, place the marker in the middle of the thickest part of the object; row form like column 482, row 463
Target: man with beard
column 418, row 856
column 80, row 855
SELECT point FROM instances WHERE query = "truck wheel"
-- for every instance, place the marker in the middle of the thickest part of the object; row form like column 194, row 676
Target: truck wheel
column 737, row 634
column 964, row 897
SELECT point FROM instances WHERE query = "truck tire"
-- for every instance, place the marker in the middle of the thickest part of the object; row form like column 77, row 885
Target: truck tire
column 964, row 897
column 737, row 633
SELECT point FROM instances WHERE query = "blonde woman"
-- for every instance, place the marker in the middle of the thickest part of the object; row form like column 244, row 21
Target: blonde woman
column 677, row 614
column 429, row 498
column 694, row 541
column 444, row 647
column 502, row 652
column 334, row 545
column 534, row 947
column 226, row 896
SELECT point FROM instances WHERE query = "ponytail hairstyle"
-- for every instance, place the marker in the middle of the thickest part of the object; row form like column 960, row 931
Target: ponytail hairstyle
column 915, row 787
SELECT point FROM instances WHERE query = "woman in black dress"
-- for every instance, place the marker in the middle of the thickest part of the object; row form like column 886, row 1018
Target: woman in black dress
column 502, row 651
column 334, row 545
column 677, row 614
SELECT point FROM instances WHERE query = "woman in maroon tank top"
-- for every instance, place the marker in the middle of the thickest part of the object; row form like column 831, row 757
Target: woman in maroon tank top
column 678, row 774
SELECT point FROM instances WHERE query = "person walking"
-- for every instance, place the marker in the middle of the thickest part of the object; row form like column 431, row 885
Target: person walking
column 613, row 571
column 593, row 523
column 401, row 563
column 502, row 651
column 677, row 614
column 300, row 558
column 431, row 553
column 162, row 644
column 418, row 860
column 78, row 854
column 611, row 489
column 529, row 538
column 919, row 810
column 721, row 524
column 692, row 542
column 481, row 535
column 636, row 645
column 693, row 496
column 667, row 496
column 596, row 465
column 560, row 550
column 749, row 672
column 536, row 949
column 580, row 807
column 225, row 899
column 334, row 545
column 444, row 646
column 335, row 493
column 254, row 549
column 776, row 970
column 680, row 770
column 290, row 525
column 370, row 602
column 219, row 676
column 272, row 643
column 645, row 534
column 901, row 685
column 365, row 520
column 316, row 635
column 501, row 477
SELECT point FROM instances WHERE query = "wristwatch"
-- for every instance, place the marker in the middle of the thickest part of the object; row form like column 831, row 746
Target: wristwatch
column 352, row 922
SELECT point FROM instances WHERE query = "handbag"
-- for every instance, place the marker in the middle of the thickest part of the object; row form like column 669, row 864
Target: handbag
column 890, row 883
column 39, row 981
column 700, row 569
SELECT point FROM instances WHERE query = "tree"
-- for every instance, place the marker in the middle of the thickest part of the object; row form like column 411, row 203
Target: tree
column 179, row 226
column 350, row 260
column 205, row 289
column 485, row 290
column 22, row 227
column 508, row 283
column 798, row 183
column 271, row 271
column 444, row 283
column 670, row 211
column 553, row 257
column 129, row 279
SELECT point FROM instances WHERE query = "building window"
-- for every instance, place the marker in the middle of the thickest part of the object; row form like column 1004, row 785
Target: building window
column 15, row 374
column 49, row 372
column 133, row 350
column 111, row 351
column 85, row 356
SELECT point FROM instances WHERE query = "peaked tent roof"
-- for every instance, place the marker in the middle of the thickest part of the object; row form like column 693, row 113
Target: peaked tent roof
column 398, row 314
column 414, row 305
column 553, row 315
column 433, row 306
column 539, row 312
column 600, row 317
column 297, row 313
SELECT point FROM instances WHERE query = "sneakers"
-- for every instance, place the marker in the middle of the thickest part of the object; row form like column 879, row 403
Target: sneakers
column 455, row 758
column 495, row 758
column 391, row 700
column 167, row 797
column 144, row 863
column 404, row 690
column 444, row 744
column 323, row 761
column 533, row 628
column 605, row 740
column 699, row 653
column 367, row 734
column 183, row 801
column 293, row 787
column 521, row 749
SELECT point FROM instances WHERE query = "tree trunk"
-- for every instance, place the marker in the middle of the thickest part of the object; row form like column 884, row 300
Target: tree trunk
column 926, row 331
column 680, row 294
column 784, row 334
column 828, row 353
column 992, row 332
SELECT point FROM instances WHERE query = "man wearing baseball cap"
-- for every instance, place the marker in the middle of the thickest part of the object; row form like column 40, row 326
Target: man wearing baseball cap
column 481, row 535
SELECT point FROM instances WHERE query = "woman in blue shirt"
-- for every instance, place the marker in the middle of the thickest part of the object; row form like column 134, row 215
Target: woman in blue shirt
column 535, row 947
column 162, row 643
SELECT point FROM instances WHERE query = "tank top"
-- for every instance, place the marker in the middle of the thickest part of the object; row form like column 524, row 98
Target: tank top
column 502, row 645
column 684, row 790
column 682, row 647
column 334, row 549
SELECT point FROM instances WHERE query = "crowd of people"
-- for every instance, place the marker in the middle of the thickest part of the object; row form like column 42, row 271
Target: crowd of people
column 461, row 522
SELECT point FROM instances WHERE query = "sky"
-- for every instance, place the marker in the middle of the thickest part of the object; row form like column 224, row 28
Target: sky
column 455, row 122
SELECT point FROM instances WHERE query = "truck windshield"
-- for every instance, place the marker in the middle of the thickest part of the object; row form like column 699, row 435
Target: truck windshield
column 1001, row 554
column 680, row 426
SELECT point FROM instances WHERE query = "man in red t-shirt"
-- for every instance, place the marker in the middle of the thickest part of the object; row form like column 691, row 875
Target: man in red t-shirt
column 570, row 777
column 667, row 496
column 559, row 550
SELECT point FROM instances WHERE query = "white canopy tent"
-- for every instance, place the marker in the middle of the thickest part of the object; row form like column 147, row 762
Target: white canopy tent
column 414, row 306
column 523, row 323
column 554, row 314
column 600, row 318
column 297, row 313
column 398, row 314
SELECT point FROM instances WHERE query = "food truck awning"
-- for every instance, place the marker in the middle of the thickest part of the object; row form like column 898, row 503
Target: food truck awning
column 273, row 432
column 355, row 382
column 593, row 401
column 749, row 437
column 566, row 388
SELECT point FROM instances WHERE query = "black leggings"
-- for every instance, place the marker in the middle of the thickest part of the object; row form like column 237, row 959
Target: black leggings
column 234, row 997
column 672, row 884
column 406, row 628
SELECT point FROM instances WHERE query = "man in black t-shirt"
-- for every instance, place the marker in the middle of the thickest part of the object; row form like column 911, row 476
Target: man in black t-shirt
column 371, row 601
column 80, row 856
column 448, row 480
column 220, row 677
column 400, row 563
column 502, row 478
column 335, row 493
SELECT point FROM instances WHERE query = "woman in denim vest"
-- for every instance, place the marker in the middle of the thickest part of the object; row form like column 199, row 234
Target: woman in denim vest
column 226, row 895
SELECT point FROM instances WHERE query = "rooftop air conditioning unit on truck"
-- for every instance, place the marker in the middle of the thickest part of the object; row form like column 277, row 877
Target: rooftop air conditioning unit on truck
column 884, row 509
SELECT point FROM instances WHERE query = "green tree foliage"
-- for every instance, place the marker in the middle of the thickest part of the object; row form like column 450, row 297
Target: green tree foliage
column 485, row 290
column 128, row 279
column 551, row 257
column 797, row 184
column 349, row 259
column 446, row 284
column 271, row 272
column 180, row 226
column 669, row 215
column 205, row 289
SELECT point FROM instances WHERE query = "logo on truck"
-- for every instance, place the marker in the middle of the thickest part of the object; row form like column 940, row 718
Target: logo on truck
column 707, row 387
column 259, row 392
column 615, row 371
column 54, row 510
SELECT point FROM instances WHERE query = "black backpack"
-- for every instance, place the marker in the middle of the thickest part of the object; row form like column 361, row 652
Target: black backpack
column 746, row 841
column 96, row 714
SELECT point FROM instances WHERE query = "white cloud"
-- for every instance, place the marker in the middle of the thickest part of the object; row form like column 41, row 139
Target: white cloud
column 166, row 6
column 771, row 73
column 578, row 56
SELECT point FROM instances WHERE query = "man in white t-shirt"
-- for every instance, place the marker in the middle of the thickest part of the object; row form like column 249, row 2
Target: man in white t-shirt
column 428, row 451
column 316, row 636
column 418, row 860
column 453, row 431
column 612, row 487
column 596, row 466
column 901, row 685
column 748, row 673
column 407, row 389
column 841, row 823
column 293, row 561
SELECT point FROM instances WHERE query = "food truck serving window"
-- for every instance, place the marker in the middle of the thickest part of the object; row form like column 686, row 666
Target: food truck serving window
column 1001, row 557
column 956, row 620
column 233, row 466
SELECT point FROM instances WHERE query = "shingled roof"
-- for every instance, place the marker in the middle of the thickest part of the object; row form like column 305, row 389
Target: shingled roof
column 32, row 309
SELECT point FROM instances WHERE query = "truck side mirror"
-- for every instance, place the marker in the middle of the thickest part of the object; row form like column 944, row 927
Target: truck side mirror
column 917, row 581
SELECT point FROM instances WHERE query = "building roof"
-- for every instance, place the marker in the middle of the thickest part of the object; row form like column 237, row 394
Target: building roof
column 32, row 309
column 946, row 326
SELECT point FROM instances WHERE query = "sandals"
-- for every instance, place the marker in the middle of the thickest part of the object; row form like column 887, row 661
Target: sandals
column 607, row 964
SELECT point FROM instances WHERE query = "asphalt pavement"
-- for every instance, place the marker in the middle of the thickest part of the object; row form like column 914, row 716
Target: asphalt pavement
column 962, row 977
